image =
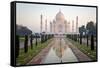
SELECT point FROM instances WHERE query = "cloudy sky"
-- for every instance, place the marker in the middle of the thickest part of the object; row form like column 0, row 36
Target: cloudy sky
column 29, row 14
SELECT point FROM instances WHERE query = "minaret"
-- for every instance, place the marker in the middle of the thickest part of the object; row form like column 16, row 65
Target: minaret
column 65, row 26
column 68, row 27
column 51, row 27
column 72, row 26
column 41, row 25
column 46, row 25
column 76, row 24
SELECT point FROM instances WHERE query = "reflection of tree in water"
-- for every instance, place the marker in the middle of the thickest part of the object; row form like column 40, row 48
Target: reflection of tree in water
column 59, row 49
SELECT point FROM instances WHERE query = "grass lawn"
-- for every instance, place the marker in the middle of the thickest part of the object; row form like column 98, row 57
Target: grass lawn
column 86, row 50
column 26, row 57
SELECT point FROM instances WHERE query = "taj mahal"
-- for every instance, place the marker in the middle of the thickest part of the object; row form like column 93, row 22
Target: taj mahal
column 59, row 25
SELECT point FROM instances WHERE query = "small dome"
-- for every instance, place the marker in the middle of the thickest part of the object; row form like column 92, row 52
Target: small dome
column 59, row 16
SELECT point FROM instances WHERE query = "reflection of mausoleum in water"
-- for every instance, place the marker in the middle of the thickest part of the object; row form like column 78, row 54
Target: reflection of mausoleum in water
column 59, row 49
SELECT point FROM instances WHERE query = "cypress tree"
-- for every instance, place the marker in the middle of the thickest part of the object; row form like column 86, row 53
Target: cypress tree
column 87, row 41
column 26, row 44
column 36, row 40
column 31, row 41
column 17, row 46
column 80, row 38
column 41, row 38
column 92, row 42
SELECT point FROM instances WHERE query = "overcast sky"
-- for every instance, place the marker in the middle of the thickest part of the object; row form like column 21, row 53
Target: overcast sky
column 29, row 14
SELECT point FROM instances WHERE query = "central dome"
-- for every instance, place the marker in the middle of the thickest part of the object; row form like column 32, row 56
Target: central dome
column 59, row 16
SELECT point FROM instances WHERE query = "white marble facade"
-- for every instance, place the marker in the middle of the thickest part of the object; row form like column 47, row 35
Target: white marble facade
column 59, row 24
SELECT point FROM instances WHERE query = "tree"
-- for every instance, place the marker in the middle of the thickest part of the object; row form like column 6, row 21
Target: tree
column 81, row 31
column 36, row 36
column 91, row 32
column 87, row 40
column 17, row 46
column 26, row 44
column 91, row 28
column 36, row 40
column 80, row 35
column 31, row 41
column 41, row 38
column 96, row 33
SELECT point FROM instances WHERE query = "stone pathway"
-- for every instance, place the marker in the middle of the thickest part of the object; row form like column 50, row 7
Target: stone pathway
column 80, row 55
column 58, row 51
column 37, row 59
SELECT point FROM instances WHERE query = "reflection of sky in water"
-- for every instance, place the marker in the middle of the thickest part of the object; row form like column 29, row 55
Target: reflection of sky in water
column 60, row 53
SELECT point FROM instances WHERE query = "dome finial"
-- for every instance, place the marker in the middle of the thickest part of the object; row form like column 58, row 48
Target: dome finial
column 59, row 15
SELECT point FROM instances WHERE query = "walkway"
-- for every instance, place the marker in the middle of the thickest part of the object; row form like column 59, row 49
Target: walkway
column 37, row 59
column 58, row 51
column 80, row 55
